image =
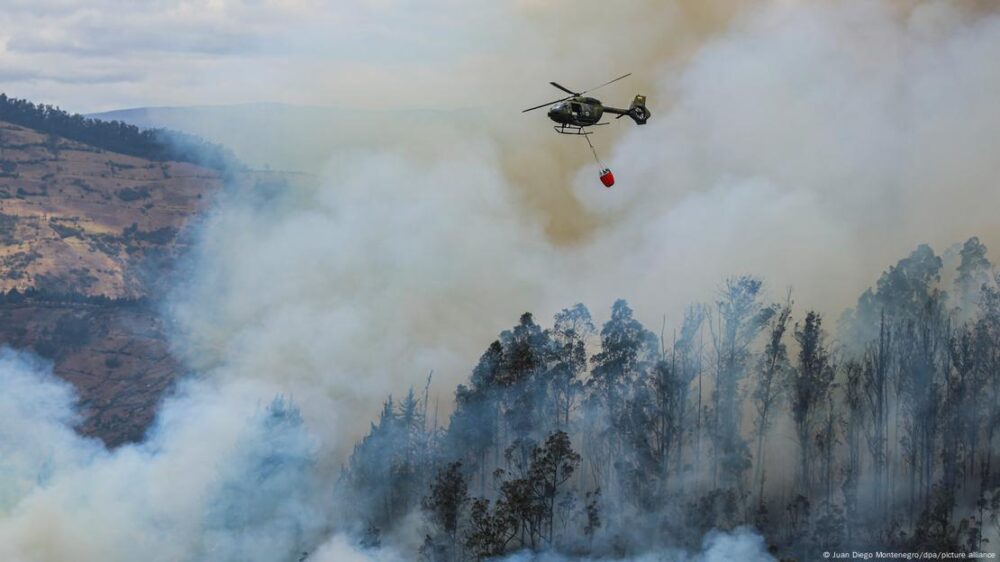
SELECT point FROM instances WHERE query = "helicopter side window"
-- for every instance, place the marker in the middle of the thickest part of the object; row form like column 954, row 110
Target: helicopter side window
column 577, row 108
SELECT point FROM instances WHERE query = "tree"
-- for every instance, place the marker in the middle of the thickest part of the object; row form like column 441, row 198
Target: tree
column 852, row 427
column 390, row 467
column 627, row 351
column 771, row 369
column 474, row 429
column 974, row 272
column 530, row 489
column 664, row 417
column 898, row 295
column 446, row 502
column 573, row 326
column 551, row 467
column 875, row 382
column 741, row 316
column 265, row 480
column 927, row 377
column 921, row 352
column 987, row 337
column 592, row 509
column 685, row 361
column 116, row 136
column 808, row 387
column 491, row 530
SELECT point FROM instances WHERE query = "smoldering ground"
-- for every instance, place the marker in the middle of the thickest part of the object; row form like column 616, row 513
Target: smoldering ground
column 809, row 143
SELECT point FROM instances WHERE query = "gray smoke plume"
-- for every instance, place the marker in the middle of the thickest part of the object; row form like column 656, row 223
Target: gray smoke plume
column 785, row 146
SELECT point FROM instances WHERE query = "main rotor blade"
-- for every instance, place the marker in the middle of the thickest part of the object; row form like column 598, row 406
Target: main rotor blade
column 565, row 89
column 606, row 83
column 545, row 104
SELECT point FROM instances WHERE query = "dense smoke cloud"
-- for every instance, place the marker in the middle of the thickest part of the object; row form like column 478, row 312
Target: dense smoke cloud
column 812, row 144
column 788, row 146
column 223, row 476
column 303, row 281
column 877, row 126
column 742, row 544
column 36, row 436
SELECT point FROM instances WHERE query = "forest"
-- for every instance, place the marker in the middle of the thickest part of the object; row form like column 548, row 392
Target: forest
column 116, row 136
column 875, row 430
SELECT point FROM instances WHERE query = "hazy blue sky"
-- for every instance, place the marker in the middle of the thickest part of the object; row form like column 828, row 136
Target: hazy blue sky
column 103, row 54
column 93, row 55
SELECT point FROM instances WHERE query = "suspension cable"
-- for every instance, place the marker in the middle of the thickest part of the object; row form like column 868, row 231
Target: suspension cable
column 594, row 151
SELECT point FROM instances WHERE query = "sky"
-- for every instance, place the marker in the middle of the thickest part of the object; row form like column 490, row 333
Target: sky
column 108, row 54
column 372, row 54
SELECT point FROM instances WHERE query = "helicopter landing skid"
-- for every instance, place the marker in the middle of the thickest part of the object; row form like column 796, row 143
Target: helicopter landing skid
column 574, row 129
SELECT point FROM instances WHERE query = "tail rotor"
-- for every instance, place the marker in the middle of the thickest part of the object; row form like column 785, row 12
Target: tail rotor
column 638, row 110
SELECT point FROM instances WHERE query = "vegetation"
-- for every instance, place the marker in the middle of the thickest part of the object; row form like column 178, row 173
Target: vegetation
column 33, row 295
column 615, row 442
column 115, row 136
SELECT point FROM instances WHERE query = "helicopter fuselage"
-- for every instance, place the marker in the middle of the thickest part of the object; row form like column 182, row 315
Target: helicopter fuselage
column 578, row 111
column 581, row 111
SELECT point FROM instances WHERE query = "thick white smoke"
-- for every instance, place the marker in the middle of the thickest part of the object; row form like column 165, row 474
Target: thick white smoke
column 348, row 291
column 812, row 144
column 36, row 435
column 876, row 127
column 741, row 544
column 222, row 477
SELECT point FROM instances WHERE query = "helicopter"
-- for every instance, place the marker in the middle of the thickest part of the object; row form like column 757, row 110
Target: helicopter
column 575, row 112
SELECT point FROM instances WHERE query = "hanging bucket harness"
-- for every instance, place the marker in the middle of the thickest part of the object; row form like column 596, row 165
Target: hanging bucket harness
column 607, row 178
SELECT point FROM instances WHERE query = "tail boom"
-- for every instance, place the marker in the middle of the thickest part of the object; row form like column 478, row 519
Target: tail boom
column 637, row 110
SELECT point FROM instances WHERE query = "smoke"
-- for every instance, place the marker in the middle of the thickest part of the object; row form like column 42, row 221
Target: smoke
column 784, row 148
column 36, row 436
column 740, row 544
column 221, row 477
column 861, row 119
column 341, row 549
column 812, row 143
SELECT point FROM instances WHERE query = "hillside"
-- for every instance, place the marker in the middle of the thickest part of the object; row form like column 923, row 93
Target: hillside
column 86, row 238
column 75, row 219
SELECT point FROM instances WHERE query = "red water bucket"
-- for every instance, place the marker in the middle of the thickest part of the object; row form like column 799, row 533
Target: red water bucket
column 607, row 178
